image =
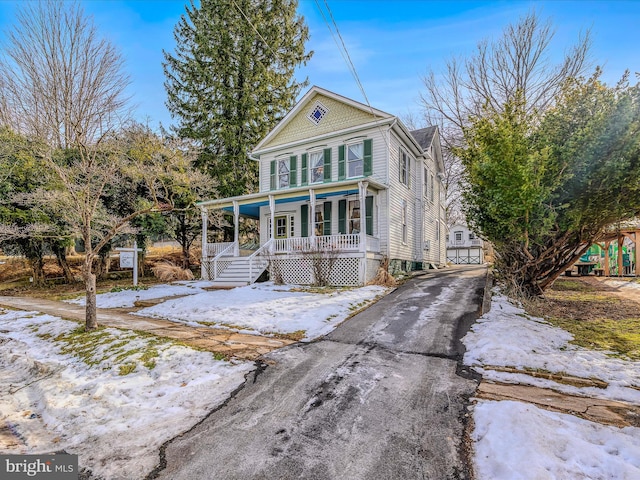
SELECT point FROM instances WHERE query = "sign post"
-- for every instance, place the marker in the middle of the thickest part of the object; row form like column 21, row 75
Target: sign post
column 129, row 259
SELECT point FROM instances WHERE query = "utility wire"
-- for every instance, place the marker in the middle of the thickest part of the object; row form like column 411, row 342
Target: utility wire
column 347, row 58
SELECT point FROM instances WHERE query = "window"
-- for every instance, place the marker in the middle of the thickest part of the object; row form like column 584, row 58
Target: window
column 355, row 160
column 281, row 227
column 318, row 224
column 405, row 167
column 354, row 216
column 458, row 236
column 431, row 187
column 283, row 173
column 472, row 236
column 403, row 221
column 426, row 182
column 437, row 230
column 317, row 166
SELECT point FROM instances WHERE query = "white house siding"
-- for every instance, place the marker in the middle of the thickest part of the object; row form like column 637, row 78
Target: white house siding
column 399, row 193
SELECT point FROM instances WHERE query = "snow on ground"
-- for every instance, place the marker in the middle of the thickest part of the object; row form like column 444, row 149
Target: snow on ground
column 266, row 308
column 127, row 298
column 518, row 441
column 109, row 404
column 507, row 336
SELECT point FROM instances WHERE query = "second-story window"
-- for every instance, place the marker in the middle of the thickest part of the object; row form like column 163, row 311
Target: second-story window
column 405, row 167
column 355, row 159
column 316, row 161
column 458, row 236
column 283, row 173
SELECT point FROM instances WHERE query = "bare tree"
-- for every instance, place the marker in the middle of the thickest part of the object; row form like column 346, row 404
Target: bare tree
column 87, row 179
column 65, row 85
column 517, row 65
column 60, row 81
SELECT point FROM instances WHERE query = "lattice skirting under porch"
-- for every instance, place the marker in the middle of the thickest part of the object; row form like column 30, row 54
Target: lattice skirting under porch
column 209, row 267
column 300, row 271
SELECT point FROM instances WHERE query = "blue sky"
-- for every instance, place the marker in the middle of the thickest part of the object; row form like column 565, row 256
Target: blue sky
column 393, row 44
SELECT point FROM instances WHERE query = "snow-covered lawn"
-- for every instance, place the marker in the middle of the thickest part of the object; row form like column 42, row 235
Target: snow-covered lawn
column 520, row 441
column 127, row 298
column 112, row 397
column 267, row 308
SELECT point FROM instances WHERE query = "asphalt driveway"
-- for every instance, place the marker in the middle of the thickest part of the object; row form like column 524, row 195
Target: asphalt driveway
column 382, row 397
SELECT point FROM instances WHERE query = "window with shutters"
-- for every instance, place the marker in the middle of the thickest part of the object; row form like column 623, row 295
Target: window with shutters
column 405, row 167
column 316, row 161
column 355, row 160
column 283, row 173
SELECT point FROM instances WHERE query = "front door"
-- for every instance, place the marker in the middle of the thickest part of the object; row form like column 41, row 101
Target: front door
column 281, row 227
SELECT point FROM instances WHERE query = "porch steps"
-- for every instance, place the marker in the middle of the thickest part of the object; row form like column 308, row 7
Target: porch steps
column 237, row 273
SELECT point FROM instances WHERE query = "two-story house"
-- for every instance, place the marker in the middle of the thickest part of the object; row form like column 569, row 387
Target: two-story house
column 463, row 246
column 341, row 180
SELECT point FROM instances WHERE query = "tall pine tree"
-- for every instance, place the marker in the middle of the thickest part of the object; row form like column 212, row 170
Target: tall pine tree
column 231, row 80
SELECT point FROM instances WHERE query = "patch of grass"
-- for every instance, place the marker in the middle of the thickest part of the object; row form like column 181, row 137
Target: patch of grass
column 126, row 369
column 564, row 285
column 619, row 336
column 320, row 290
column 295, row 336
column 137, row 288
column 596, row 318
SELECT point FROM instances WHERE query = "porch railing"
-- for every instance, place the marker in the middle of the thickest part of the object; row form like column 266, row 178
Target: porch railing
column 214, row 249
column 349, row 242
column 225, row 251
column 257, row 260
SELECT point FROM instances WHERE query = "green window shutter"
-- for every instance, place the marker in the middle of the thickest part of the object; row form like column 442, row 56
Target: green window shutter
column 341, row 163
column 293, row 171
column 368, row 205
column 273, row 174
column 342, row 216
column 305, row 172
column 304, row 220
column 368, row 157
column 327, row 218
column 327, row 164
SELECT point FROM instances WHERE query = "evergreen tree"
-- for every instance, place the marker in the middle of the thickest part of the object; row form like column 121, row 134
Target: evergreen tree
column 231, row 80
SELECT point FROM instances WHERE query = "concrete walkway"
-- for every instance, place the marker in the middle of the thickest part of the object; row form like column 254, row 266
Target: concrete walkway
column 221, row 341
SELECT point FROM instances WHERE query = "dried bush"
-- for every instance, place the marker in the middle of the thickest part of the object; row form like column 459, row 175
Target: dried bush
column 169, row 272
column 383, row 277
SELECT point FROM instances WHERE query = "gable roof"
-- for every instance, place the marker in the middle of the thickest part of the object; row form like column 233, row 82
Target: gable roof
column 365, row 114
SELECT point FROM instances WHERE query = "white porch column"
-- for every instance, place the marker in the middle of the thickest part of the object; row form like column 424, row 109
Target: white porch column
column 272, row 213
column 362, row 188
column 204, row 273
column 312, row 213
column 236, row 233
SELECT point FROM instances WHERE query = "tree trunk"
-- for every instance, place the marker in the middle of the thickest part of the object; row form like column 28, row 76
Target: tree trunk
column 185, row 256
column 91, row 316
column 37, row 270
column 61, row 257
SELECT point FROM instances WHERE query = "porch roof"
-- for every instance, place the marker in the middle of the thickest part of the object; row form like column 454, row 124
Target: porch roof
column 250, row 204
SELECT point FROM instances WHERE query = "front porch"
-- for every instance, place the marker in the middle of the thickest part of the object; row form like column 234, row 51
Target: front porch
column 300, row 240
